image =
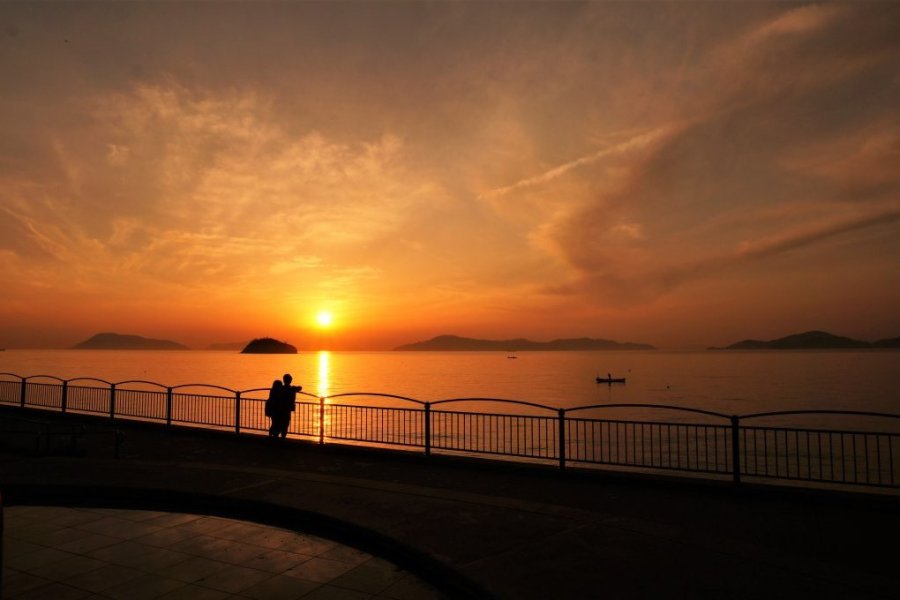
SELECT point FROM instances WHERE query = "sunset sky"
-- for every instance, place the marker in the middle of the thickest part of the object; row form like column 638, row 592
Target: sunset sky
column 679, row 174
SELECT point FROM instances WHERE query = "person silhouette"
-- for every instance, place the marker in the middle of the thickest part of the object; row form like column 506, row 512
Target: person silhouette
column 273, row 407
column 287, row 404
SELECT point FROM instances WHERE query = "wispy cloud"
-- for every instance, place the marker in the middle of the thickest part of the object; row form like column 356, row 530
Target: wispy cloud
column 757, row 147
column 795, row 21
column 632, row 144
column 810, row 234
column 205, row 189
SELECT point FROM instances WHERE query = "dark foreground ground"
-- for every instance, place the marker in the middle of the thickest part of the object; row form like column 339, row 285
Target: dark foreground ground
column 477, row 529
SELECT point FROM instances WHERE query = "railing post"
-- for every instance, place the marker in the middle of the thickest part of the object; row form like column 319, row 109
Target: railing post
column 168, row 407
column 321, row 420
column 112, row 401
column 237, row 413
column 22, row 392
column 736, row 450
column 428, row 429
column 1, row 540
column 562, row 439
column 65, row 396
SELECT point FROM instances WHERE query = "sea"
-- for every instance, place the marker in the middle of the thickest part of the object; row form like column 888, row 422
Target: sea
column 728, row 382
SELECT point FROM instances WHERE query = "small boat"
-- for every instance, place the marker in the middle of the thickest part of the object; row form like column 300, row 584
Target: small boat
column 610, row 380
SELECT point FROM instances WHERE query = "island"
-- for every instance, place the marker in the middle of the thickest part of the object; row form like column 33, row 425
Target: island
column 454, row 343
column 810, row 340
column 117, row 341
column 268, row 346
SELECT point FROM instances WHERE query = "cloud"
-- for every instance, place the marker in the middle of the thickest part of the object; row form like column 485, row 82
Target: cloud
column 632, row 231
column 633, row 143
column 644, row 277
column 189, row 187
column 810, row 234
column 295, row 265
column 798, row 21
column 809, row 143
column 117, row 155
column 859, row 166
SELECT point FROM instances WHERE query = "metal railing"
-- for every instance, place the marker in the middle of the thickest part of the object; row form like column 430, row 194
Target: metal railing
column 863, row 451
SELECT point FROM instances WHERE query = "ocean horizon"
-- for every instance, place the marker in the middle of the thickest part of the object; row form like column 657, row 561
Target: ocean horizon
column 732, row 382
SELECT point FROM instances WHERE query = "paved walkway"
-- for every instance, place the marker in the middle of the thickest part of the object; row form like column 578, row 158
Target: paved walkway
column 61, row 553
column 476, row 529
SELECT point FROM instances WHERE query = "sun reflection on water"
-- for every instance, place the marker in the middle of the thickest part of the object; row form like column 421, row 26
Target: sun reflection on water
column 324, row 387
column 324, row 382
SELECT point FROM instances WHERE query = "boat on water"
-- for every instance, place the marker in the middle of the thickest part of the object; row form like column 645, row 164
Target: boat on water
column 610, row 380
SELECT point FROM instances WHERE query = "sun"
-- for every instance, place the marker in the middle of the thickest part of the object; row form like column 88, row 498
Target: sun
column 324, row 319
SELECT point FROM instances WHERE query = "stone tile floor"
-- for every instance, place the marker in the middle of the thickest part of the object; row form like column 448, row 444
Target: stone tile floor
column 59, row 553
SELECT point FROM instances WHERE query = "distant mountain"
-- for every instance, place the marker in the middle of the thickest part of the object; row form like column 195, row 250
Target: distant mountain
column 227, row 346
column 811, row 340
column 268, row 346
column 887, row 343
column 117, row 341
column 452, row 343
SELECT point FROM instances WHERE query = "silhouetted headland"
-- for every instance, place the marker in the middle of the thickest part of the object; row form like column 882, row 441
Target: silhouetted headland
column 887, row 343
column 811, row 340
column 268, row 346
column 117, row 341
column 453, row 342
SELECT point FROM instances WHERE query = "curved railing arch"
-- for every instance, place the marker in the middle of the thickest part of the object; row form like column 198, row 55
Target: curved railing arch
column 144, row 381
column 662, row 406
column 375, row 395
column 59, row 379
column 204, row 385
column 262, row 389
column 90, row 379
column 497, row 401
column 857, row 413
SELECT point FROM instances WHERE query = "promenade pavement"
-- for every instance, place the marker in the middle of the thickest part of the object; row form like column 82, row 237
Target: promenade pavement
column 66, row 553
column 479, row 529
